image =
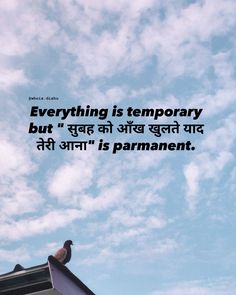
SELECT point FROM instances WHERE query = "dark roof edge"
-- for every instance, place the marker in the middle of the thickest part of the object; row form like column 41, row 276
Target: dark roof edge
column 67, row 272
column 23, row 269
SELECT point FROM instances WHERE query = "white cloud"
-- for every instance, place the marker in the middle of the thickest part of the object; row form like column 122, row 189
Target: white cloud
column 224, row 69
column 177, row 41
column 49, row 222
column 107, row 255
column 18, row 196
column 222, row 287
column 214, row 104
column 192, row 173
column 94, row 9
column 19, row 199
column 107, row 198
column 12, row 77
column 210, row 163
column 119, row 237
column 14, row 160
column 6, row 5
column 30, row 31
column 201, row 168
column 96, row 97
column 18, row 255
column 146, row 162
column 23, row 38
column 72, row 177
column 104, row 39
column 107, row 59
column 224, row 134
column 161, row 180
column 69, row 179
column 125, row 218
column 154, row 222
column 47, row 249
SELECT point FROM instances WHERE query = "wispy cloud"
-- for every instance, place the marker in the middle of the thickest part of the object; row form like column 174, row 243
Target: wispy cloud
column 110, row 255
column 17, row 230
column 12, row 77
column 223, row 287
column 21, row 254
column 209, row 164
column 73, row 177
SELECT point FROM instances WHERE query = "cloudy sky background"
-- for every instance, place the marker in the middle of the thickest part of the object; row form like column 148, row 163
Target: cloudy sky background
column 148, row 223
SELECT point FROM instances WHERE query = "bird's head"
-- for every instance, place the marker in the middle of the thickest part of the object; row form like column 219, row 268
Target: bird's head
column 68, row 243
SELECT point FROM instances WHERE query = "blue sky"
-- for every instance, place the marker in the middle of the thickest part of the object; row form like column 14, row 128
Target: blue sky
column 143, row 222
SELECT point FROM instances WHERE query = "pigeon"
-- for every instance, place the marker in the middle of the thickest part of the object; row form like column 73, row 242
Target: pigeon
column 18, row 267
column 64, row 254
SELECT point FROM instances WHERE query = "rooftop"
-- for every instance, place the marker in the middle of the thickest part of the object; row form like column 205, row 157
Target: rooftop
column 51, row 278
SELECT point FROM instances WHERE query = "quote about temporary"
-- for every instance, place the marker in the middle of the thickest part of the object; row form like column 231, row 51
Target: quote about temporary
column 139, row 122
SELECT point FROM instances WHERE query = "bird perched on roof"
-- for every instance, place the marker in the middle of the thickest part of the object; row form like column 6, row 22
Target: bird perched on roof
column 64, row 254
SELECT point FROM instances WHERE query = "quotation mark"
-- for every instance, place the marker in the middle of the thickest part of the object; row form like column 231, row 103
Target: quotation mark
column 91, row 141
column 60, row 125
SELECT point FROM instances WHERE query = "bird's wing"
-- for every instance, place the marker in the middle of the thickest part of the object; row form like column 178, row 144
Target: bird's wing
column 61, row 254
